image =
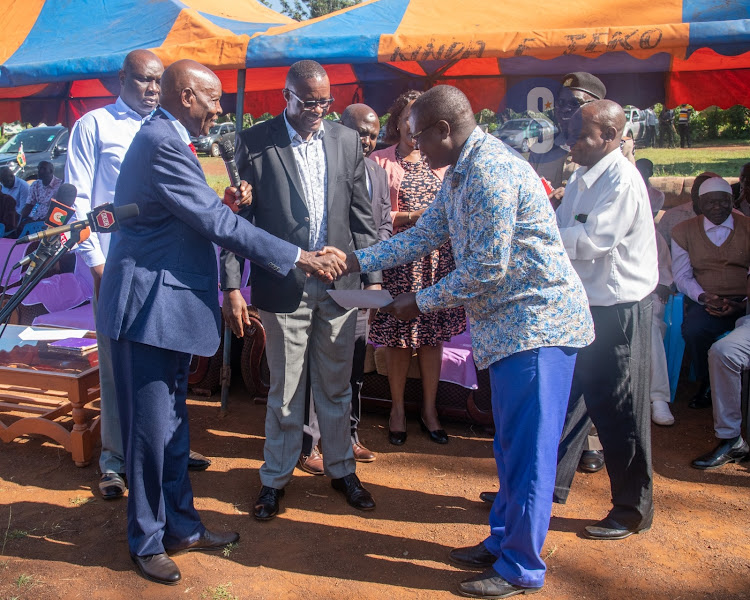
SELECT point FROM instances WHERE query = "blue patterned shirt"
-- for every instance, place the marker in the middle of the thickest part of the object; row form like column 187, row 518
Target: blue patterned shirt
column 512, row 274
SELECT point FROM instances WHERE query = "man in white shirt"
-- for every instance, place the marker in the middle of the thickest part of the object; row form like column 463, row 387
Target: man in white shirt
column 607, row 230
column 98, row 143
column 710, row 261
column 650, row 127
column 14, row 186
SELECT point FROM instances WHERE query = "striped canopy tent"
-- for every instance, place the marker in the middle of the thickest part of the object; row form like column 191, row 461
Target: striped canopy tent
column 60, row 58
column 513, row 53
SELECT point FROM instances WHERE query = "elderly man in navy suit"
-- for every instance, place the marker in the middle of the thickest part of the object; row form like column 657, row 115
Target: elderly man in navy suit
column 158, row 305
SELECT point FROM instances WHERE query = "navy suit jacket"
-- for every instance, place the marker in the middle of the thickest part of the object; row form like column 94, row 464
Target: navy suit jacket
column 265, row 160
column 160, row 284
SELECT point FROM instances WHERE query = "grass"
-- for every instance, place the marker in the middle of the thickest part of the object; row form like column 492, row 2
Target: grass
column 80, row 500
column 228, row 549
column 220, row 592
column 726, row 160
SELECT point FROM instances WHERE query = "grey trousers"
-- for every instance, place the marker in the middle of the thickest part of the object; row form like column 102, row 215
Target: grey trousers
column 112, row 458
column 319, row 334
column 727, row 358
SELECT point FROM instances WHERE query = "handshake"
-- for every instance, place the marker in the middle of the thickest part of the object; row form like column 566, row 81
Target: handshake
column 328, row 264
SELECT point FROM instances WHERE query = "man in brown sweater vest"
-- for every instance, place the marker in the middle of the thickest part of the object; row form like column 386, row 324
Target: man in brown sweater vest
column 710, row 261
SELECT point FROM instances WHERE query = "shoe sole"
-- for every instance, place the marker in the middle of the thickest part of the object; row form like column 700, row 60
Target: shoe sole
column 508, row 595
column 273, row 516
column 310, row 471
column 619, row 537
column 739, row 459
column 365, row 460
column 199, row 468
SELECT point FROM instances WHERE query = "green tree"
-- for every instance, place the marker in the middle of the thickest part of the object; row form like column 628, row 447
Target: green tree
column 301, row 10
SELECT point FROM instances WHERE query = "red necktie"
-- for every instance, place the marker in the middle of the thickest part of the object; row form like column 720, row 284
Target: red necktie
column 192, row 148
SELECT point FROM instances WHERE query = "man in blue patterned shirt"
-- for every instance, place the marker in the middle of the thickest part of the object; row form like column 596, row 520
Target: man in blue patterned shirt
column 528, row 315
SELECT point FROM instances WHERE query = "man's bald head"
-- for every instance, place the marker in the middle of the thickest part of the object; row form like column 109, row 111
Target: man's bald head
column 365, row 122
column 606, row 113
column 446, row 103
column 441, row 120
column 191, row 92
column 140, row 79
column 595, row 130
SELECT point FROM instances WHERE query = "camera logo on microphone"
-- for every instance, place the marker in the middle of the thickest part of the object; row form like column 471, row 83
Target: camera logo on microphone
column 58, row 217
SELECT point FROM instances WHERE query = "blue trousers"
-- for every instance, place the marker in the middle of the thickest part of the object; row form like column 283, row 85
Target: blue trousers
column 151, row 386
column 529, row 398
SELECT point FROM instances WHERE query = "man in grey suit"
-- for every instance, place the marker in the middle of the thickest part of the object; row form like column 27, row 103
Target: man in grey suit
column 310, row 188
column 362, row 119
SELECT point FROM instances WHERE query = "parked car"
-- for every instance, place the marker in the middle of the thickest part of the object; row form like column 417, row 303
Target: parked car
column 522, row 134
column 39, row 143
column 209, row 144
column 635, row 125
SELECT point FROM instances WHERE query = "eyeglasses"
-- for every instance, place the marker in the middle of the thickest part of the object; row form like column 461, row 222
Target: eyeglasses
column 311, row 104
column 415, row 136
column 574, row 104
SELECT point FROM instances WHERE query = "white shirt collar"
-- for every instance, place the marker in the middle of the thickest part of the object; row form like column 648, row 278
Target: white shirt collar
column 294, row 134
column 593, row 173
column 179, row 127
column 729, row 223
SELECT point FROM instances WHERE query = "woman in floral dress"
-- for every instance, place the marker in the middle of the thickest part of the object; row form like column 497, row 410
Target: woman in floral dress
column 413, row 187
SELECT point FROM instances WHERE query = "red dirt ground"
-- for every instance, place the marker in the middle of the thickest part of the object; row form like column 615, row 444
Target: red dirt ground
column 60, row 540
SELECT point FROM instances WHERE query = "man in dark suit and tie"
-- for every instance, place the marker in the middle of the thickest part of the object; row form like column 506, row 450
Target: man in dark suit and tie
column 158, row 306
column 362, row 119
column 309, row 187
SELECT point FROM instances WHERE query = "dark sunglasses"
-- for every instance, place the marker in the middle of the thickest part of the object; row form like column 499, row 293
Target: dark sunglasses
column 311, row 104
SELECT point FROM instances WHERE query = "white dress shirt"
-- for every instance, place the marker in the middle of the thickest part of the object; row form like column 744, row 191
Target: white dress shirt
column 682, row 268
column 311, row 165
column 98, row 143
column 614, row 251
column 19, row 192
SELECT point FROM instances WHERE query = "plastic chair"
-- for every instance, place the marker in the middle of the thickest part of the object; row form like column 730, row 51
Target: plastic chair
column 34, row 227
column 674, row 344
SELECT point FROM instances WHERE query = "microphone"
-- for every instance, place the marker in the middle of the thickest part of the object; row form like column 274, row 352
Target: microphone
column 105, row 218
column 226, row 148
column 59, row 213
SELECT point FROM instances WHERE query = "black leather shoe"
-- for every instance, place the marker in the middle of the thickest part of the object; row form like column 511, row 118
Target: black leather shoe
column 267, row 505
column 197, row 462
column 609, row 529
column 397, row 438
column 210, row 540
column 473, row 557
column 728, row 451
column 591, row 461
column 158, row 567
column 356, row 495
column 703, row 398
column 491, row 585
column 488, row 497
column 438, row 435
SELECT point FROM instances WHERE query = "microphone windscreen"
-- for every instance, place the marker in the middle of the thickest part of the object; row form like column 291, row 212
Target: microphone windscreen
column 226, row 148
column 66, row 194
column 127, row 211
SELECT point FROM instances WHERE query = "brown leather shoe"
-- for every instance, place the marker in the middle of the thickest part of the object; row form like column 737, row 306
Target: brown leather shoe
column 158, row 567
column 210, row 540
column 312, row 464
column 362, row 454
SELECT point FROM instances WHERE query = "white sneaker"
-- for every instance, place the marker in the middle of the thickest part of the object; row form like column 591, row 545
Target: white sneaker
column 660, row 413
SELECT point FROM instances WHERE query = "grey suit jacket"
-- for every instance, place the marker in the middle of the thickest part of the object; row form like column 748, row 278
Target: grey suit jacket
column 266, row 161
column 381, row 199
